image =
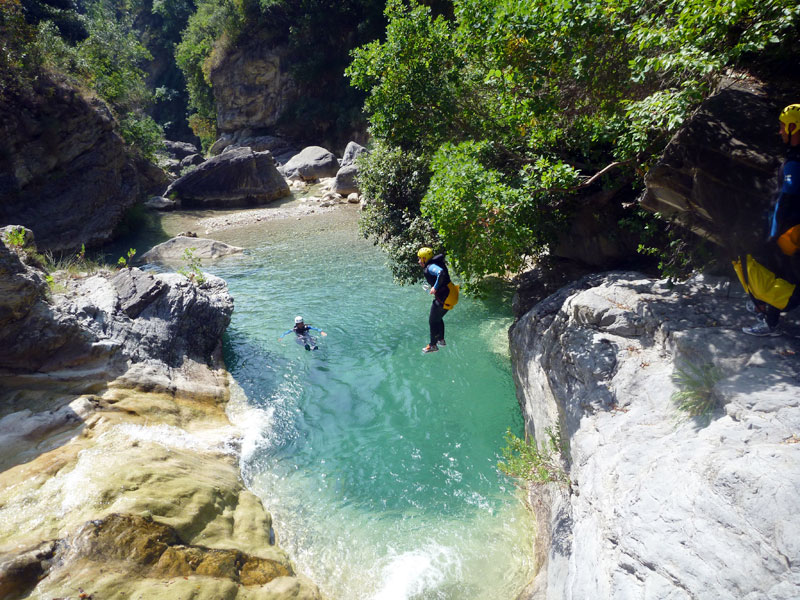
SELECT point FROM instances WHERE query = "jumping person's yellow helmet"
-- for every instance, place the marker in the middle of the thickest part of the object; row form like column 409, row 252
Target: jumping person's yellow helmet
column 791, row 115
column 425, row 253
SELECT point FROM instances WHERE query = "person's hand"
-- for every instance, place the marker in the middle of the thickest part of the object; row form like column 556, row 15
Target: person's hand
column 323, row 333
column 433, row 290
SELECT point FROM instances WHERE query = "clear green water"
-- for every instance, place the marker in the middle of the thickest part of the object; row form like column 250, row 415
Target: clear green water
column 378, row 463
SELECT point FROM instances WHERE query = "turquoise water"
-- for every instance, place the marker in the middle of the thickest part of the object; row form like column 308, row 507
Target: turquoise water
column 378, row 463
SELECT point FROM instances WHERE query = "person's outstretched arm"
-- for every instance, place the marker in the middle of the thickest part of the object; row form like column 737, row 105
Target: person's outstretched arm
column 316, row 329
column 285, row 333
column 435, row 270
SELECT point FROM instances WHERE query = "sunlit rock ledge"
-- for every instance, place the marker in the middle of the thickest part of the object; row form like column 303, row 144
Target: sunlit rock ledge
column 119, row 470
column 662, row 505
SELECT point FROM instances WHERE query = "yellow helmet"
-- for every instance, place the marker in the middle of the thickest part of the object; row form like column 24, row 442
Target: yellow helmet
column 791, row 114
column 425, row 253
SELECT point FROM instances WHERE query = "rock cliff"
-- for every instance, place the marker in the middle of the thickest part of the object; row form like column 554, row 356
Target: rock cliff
column 719, row 172
column 119, row 469
column 662, row 504
column 65, row 172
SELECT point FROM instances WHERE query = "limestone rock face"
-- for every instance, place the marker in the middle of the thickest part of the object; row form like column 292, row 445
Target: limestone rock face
column 240, row 177
column 119, row 472
column 172, row 251
column 661, row 504
column 312, row 163
column 719, row 172
column 66, row 174
column 251, row 88
column 164, row 317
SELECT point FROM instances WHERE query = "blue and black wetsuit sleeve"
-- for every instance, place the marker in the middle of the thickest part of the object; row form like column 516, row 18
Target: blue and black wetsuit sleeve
column 436, row 271
column 786, row 213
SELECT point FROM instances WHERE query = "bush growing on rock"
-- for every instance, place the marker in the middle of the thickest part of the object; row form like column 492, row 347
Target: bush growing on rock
column 569, row 104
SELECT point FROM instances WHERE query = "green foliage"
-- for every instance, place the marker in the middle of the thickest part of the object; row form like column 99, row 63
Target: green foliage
column 523, row 459
column 105, row 56
column 203, row 32
column 192, row 269
column 395, row 181
column 695, row 383
column 411, row 78
column 72, row 264
column 15, row 238
column 487, row 220
column 127, row 261
column 514, row 104
column 142, row 131
column 112, row 54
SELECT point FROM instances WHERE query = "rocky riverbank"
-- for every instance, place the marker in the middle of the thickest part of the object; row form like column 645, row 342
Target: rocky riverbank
column 662, row 504
column 120, row 469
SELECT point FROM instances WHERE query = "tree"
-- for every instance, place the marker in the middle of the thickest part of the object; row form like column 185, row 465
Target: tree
column 520, row 108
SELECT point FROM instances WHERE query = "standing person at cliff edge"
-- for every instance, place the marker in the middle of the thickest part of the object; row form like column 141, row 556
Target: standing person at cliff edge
column 775, row 289
column 445, row 294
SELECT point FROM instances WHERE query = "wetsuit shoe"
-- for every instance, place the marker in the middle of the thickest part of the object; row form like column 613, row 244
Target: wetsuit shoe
column 761, row 329
column 430, row 348
column 442, row 343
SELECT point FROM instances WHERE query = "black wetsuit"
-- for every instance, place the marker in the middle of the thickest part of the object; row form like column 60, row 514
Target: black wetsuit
column 437, row 277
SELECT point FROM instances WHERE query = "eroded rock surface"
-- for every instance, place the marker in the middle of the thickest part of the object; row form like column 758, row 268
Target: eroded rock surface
column 119, row 471
column 662, row 505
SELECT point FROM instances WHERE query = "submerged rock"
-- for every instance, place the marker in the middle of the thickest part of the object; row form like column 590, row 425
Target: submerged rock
column 173, row 251
column 662, row 504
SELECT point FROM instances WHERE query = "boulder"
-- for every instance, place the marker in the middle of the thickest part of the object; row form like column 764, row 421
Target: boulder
column 659, row 503
column 65, row 172
column 313, row 162
column 191, row 160
column 240, row 177
column 173, row 251
column 180, row 150
column 133, row 315
column 163, row 317
column 719, row 172
column 281, row 149
column 345, row 182
column 351, row 153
